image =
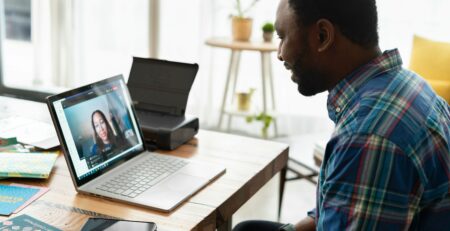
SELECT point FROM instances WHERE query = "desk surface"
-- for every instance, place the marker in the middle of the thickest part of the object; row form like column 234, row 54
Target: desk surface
column 250, row 163
column 240, row 45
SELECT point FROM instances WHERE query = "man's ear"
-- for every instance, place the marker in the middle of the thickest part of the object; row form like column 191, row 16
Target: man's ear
column 326, row 34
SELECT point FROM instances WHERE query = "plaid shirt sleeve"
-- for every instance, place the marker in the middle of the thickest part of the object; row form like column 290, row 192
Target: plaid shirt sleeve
column 368, row 184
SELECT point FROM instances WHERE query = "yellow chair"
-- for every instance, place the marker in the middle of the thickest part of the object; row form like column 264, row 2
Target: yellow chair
column 431, row 60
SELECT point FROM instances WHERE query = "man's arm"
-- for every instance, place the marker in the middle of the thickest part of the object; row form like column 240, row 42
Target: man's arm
column 369, row 184
column 306, row 224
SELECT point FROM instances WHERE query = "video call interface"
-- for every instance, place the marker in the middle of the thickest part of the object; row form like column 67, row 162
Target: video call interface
column 99, row 127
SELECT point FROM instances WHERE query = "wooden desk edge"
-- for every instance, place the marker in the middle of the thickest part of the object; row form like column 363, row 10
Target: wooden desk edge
column 235, row 201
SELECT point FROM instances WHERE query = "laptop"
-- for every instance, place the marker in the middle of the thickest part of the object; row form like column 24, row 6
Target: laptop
column 105, row 152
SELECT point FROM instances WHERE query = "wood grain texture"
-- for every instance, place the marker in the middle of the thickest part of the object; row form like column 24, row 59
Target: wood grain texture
column 249, row 163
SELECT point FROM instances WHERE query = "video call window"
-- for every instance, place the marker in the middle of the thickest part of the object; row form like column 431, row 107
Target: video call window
column 101, row 128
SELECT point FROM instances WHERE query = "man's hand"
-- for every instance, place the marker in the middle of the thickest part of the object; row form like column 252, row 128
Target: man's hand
column 306, row 224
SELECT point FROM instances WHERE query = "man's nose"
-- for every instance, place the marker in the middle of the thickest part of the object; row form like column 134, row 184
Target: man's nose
column 280, row 57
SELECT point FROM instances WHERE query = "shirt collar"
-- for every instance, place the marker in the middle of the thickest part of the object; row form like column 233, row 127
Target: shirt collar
column 343, row 92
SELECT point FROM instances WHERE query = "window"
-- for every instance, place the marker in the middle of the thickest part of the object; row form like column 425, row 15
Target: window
column 18, row 20
column 16, row 45
column 52, row 45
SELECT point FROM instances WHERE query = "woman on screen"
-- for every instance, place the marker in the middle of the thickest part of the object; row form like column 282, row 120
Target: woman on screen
column 105, row 140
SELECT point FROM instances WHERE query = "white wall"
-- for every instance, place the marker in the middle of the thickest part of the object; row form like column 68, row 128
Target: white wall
column 107, row 33
column 185, row 25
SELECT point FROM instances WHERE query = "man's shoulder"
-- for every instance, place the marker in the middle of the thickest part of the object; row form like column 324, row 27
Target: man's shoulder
column 396, row 105
column 396, row 87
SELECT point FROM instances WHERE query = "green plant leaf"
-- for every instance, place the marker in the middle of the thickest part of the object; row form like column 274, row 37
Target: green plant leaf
column 268, row 27
column 260, row 117
column 251, row 91
column 267, row 120
column 241, row 11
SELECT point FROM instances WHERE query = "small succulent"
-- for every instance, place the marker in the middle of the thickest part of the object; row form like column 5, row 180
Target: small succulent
column 268, row 27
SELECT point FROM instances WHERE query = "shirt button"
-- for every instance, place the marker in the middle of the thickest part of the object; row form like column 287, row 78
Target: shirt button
column 338, row 109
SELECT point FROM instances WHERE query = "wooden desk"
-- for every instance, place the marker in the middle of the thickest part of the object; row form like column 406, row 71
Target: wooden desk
column 250, row 163
column 236, row 47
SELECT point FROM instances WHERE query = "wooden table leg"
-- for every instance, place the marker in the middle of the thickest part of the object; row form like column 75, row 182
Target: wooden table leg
column 234, row 83
column 263, row 77
column 226, row 226
column 281, row 190
column 272, row 91
column 266, row 72
column 231, row 68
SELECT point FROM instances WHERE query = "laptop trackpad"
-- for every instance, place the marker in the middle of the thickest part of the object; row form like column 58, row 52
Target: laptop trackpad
column 172, row 191
column 182, row 183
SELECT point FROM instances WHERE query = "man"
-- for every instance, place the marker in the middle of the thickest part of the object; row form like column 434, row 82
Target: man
column 387, row 164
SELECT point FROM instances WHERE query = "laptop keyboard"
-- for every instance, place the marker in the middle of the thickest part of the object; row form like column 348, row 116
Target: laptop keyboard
column 143, row 176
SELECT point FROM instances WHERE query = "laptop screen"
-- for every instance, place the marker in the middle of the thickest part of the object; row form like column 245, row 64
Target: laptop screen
column 97, row 125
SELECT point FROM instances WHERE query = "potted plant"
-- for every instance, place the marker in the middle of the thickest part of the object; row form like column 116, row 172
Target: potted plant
column 241, row 24
column 244, row 99
column 265, row 118
column 268, row 28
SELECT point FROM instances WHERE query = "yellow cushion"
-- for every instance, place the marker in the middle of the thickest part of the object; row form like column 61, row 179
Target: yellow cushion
column 442, row 88
column 431, row 60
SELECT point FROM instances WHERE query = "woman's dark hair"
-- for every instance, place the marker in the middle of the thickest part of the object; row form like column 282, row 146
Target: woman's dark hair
column 356, row 19
column 111, row 137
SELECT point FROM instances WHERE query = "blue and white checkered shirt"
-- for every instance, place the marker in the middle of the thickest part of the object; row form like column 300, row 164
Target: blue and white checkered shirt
column 387, row 165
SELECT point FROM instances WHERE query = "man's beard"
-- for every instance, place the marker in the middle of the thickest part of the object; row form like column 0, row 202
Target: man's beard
column 309, row 81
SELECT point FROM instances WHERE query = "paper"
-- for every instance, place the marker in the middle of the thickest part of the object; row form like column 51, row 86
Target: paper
column 67, row 217
column 12, row 197
column 25, row 222
column 8, row 141
column 28, row 165
column 14, row 148
column 42, row 191
column 29, row 131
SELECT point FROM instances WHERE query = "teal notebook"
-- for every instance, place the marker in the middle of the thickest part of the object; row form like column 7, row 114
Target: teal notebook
column 12, row 197
column 28, row 165
column 25, row 222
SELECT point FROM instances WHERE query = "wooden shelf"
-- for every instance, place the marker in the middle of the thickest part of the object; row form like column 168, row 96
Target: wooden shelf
column 236, row 112
column 240, row 45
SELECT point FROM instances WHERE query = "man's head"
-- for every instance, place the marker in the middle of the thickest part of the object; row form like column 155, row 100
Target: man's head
column 316, row 35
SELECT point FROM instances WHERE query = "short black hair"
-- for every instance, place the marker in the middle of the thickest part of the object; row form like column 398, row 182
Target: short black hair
column 356, row 19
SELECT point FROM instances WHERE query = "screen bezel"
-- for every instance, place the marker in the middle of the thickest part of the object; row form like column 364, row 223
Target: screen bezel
column 51, row 99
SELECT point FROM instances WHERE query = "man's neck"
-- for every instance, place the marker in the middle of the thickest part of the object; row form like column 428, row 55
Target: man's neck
column 350, row 59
